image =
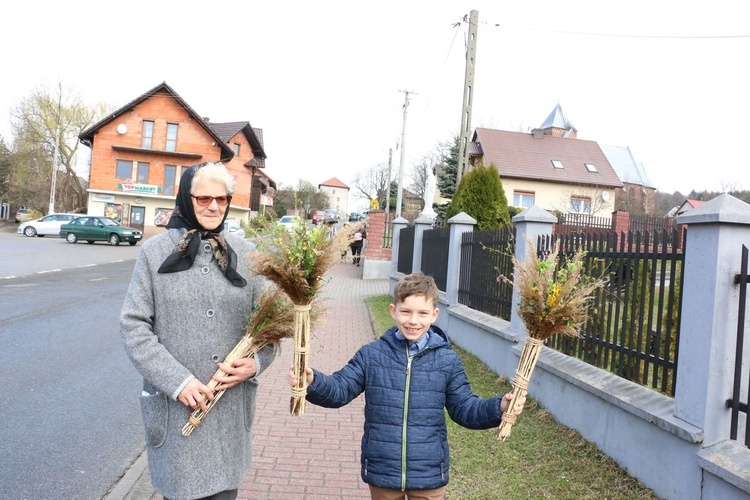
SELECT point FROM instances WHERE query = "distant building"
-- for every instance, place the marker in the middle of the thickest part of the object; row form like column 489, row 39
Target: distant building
column 139, row 151
column 338, row 194
column 638, row 193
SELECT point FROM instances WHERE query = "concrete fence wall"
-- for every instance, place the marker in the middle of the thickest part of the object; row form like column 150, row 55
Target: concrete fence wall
column 679, row 447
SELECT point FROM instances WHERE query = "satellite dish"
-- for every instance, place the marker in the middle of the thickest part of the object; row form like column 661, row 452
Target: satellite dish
column 605, row 195
column 122, row 128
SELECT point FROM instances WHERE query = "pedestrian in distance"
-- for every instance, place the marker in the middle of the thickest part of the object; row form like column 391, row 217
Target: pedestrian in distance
column 359, row 235
column 186, row 307
column 409, row 376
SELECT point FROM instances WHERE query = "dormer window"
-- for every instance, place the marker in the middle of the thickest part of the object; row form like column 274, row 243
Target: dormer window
column 590, row 167
column 557, row 164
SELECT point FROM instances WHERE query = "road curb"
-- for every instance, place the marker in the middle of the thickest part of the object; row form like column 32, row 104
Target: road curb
column 135, row 484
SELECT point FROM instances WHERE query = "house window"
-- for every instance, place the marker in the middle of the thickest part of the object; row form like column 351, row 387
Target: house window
column 124, row 169
column 142, row 177
column 236, row 149
column 170, row 172
column 171, row 137
column 523, row 199
column 557, row 164
column 147, row 135
column 590, row 167
column 580, row 205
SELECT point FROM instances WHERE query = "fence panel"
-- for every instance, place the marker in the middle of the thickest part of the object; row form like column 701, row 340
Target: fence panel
column 435, row 245
column 633, row 328
column 581, row 224
column 406, row 249
column 485, row 256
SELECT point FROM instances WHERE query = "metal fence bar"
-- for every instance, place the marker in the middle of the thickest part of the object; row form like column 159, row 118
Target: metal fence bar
column 735, row 404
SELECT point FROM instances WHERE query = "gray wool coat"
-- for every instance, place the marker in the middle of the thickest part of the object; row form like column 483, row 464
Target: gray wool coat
column 180, row 325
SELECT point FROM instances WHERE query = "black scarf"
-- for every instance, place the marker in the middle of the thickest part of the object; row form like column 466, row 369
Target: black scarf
column 183, row 256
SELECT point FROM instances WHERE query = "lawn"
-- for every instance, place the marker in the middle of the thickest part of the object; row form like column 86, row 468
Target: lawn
column 541, row 459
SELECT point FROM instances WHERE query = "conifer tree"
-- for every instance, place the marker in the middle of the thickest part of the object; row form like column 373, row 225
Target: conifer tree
column 480, row 194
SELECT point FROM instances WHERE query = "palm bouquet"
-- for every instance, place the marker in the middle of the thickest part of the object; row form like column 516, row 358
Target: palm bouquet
column 296, row 261
column 271, row 321
column 554, row 298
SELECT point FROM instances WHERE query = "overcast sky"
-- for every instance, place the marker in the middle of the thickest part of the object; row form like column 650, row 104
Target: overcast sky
column 325, row 80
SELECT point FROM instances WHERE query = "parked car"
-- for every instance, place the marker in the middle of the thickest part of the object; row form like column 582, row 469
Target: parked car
column 234, row 227
column 318, row 217
column 332, row 214
column 91, row 229
column 355, row 217
column 24, row 214
column 49, row 225
column 289, row 221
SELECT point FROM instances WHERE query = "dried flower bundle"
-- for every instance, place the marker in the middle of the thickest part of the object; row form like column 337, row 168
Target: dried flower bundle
column 272, row 320
column 296, row 261
column 554, row 298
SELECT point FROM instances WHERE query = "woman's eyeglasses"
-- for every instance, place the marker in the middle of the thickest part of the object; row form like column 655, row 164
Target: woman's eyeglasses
column 205, row 201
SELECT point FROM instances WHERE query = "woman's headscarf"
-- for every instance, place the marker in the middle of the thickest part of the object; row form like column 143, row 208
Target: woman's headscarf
column 184, row 253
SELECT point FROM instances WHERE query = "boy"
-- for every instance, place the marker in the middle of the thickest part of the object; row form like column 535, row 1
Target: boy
column 409, row 376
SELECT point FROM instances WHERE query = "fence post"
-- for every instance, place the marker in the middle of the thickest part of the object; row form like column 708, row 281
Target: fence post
column 398, row 224
column 421, row 224
column 530, row 224
column 709, row 315
column 459, row 224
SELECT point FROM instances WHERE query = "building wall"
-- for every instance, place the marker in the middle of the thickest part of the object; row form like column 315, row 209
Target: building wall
column 194, row 145
column 552, row 197
column 339, row 198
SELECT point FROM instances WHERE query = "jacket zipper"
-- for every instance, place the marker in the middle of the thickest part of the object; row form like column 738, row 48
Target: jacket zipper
column 406, row 416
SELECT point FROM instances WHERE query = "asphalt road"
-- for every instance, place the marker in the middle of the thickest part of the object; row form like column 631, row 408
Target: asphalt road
column 69, row 419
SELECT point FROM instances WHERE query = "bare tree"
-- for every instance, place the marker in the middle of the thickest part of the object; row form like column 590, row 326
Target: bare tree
column 372, row 184
column 45, row 122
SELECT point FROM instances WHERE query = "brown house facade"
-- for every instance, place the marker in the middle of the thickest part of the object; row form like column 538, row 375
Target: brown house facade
column 139, row 151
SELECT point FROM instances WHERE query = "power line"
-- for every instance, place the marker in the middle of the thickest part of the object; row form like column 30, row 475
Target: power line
column 625, row 35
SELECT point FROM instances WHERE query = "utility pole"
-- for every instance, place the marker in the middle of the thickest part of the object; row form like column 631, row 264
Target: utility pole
column 54, row 169
column 464, row 137
column 399, row 196
column 388, row 187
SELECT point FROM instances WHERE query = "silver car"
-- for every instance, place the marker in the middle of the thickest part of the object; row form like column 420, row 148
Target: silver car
column 49, row 225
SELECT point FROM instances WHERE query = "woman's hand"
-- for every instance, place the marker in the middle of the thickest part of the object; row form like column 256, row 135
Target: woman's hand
column 293, row 376
column 236, row 373
column 505, row 402
column 196, row 395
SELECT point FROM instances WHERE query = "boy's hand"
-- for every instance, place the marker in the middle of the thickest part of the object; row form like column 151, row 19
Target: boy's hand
column 293, row 376
column 505, row 402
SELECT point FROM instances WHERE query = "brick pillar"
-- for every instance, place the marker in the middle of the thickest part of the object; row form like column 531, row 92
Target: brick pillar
column 375, row 230
column 620, row 224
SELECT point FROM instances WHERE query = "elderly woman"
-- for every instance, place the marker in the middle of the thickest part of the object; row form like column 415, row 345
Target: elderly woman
column 185, row 310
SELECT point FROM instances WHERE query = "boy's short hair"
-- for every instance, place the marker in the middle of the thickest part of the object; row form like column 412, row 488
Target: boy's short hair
column 416, row 284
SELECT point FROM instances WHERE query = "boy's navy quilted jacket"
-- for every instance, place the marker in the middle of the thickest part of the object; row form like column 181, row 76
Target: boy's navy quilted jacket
column 405, row 443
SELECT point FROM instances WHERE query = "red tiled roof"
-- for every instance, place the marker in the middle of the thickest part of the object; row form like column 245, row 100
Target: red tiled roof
column 333, row 182
column 524, row 156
